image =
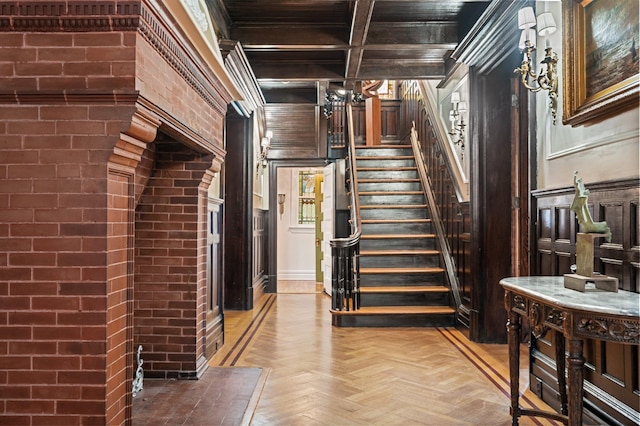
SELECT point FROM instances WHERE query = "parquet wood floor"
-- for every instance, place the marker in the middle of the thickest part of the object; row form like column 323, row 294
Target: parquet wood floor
column 324, row 375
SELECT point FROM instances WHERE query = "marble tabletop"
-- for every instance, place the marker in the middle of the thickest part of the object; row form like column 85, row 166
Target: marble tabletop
column 552, row 290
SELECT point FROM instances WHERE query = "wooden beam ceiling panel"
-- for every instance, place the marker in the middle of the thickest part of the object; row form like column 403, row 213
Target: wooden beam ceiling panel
column 440, row 33
column 298, row 71
column 292, row 36
column 379, row 70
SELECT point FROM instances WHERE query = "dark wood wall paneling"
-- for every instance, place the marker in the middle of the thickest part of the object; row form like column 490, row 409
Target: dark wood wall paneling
column 389, row 120
column 260, row 253
column 296, row 131
column 613, row 370
column 454, row 214
column 238, row 213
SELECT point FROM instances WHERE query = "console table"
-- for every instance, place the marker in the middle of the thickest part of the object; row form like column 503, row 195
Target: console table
column 575, row 315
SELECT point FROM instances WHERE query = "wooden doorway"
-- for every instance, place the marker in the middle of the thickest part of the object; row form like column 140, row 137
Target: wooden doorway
column 274, row 218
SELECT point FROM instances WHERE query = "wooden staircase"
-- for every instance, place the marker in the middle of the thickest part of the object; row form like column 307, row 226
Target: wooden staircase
column 401, row 279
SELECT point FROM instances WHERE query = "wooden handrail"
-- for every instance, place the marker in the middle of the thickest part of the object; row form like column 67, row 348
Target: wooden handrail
column 353, row 188
column 450, row 267
column 345, row 252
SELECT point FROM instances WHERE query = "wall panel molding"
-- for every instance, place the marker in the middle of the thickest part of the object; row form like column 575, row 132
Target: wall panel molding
column 611, row 378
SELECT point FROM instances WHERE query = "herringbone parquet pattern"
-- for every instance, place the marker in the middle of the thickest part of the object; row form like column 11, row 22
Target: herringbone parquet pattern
column 324, row 375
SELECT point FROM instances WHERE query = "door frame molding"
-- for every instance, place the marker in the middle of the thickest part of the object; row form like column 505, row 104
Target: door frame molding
column 272, row 221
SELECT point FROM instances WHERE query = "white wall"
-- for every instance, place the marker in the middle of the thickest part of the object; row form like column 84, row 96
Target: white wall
column 296, row 243
column 608, row 150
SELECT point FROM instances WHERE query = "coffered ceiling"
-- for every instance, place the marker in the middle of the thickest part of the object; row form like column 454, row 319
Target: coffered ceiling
column 297, row 45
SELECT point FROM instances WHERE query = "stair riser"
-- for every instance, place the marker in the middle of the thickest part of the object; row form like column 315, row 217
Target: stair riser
column 377, row 280
column 398, row 244
column 376, row 200
column 396, row 228
column 400, row 261
column 387, row 174
column 385, row 162
column 393, row 213
column 383, row 152
column 393, row 321
column 418, row 299
column 389, row 186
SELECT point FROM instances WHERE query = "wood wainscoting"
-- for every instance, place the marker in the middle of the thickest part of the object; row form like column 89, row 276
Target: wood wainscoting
column 612, row 373
column 454, row 214
column 260, row 276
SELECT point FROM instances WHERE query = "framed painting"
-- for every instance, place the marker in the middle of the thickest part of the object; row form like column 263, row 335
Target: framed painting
column 600, row 59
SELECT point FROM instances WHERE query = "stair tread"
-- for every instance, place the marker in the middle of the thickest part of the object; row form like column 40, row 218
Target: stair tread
column 385, row 146
column 386, row 169
column 396, row 252
column 397, row 180
column 372, row 221
column 389, row 192
column 385, row 157
column 398, row 310
column 393, row 206
column 400, row 270
column 390, row 236
column 405, row 289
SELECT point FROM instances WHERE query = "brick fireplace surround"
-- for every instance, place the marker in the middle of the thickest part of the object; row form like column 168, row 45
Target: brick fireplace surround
column 111, row 127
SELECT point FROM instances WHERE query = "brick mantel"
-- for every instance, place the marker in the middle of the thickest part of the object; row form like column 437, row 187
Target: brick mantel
column 144, row 17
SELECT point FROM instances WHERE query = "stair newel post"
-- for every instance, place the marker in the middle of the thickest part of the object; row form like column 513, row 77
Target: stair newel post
column 348, row 280
column 356, row 277
column 335, row 263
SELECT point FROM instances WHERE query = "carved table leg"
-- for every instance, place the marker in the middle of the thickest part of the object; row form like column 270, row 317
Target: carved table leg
column 513, row 331
column 576, row 376
column 560, row 367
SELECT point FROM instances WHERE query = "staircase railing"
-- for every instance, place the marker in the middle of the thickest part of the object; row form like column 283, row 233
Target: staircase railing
column 345, row 252
column 450, row 268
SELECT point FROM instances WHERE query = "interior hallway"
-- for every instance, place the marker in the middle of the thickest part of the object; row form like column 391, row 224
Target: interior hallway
column 316, row 374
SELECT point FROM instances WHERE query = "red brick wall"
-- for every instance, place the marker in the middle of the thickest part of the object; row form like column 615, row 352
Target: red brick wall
column 168, row 281
column 54, row 244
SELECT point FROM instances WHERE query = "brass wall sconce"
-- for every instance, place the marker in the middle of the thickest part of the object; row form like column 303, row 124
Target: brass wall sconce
column 546, row 78
column 457, row 121
column 281, row 203
column 265, row 144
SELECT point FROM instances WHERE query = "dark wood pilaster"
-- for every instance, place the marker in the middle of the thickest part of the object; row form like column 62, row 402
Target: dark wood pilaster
column 490, row 188
column 238, row 213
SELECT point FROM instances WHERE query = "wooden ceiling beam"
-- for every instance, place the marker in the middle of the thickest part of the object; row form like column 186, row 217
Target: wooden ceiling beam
column 362, row 13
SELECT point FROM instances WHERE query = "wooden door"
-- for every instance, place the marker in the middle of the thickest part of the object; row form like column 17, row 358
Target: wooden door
column 520, row 180
column 328, row 209
column 318, row 239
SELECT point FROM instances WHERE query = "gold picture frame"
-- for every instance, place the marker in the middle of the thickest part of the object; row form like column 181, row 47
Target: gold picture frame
column 587, row 98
